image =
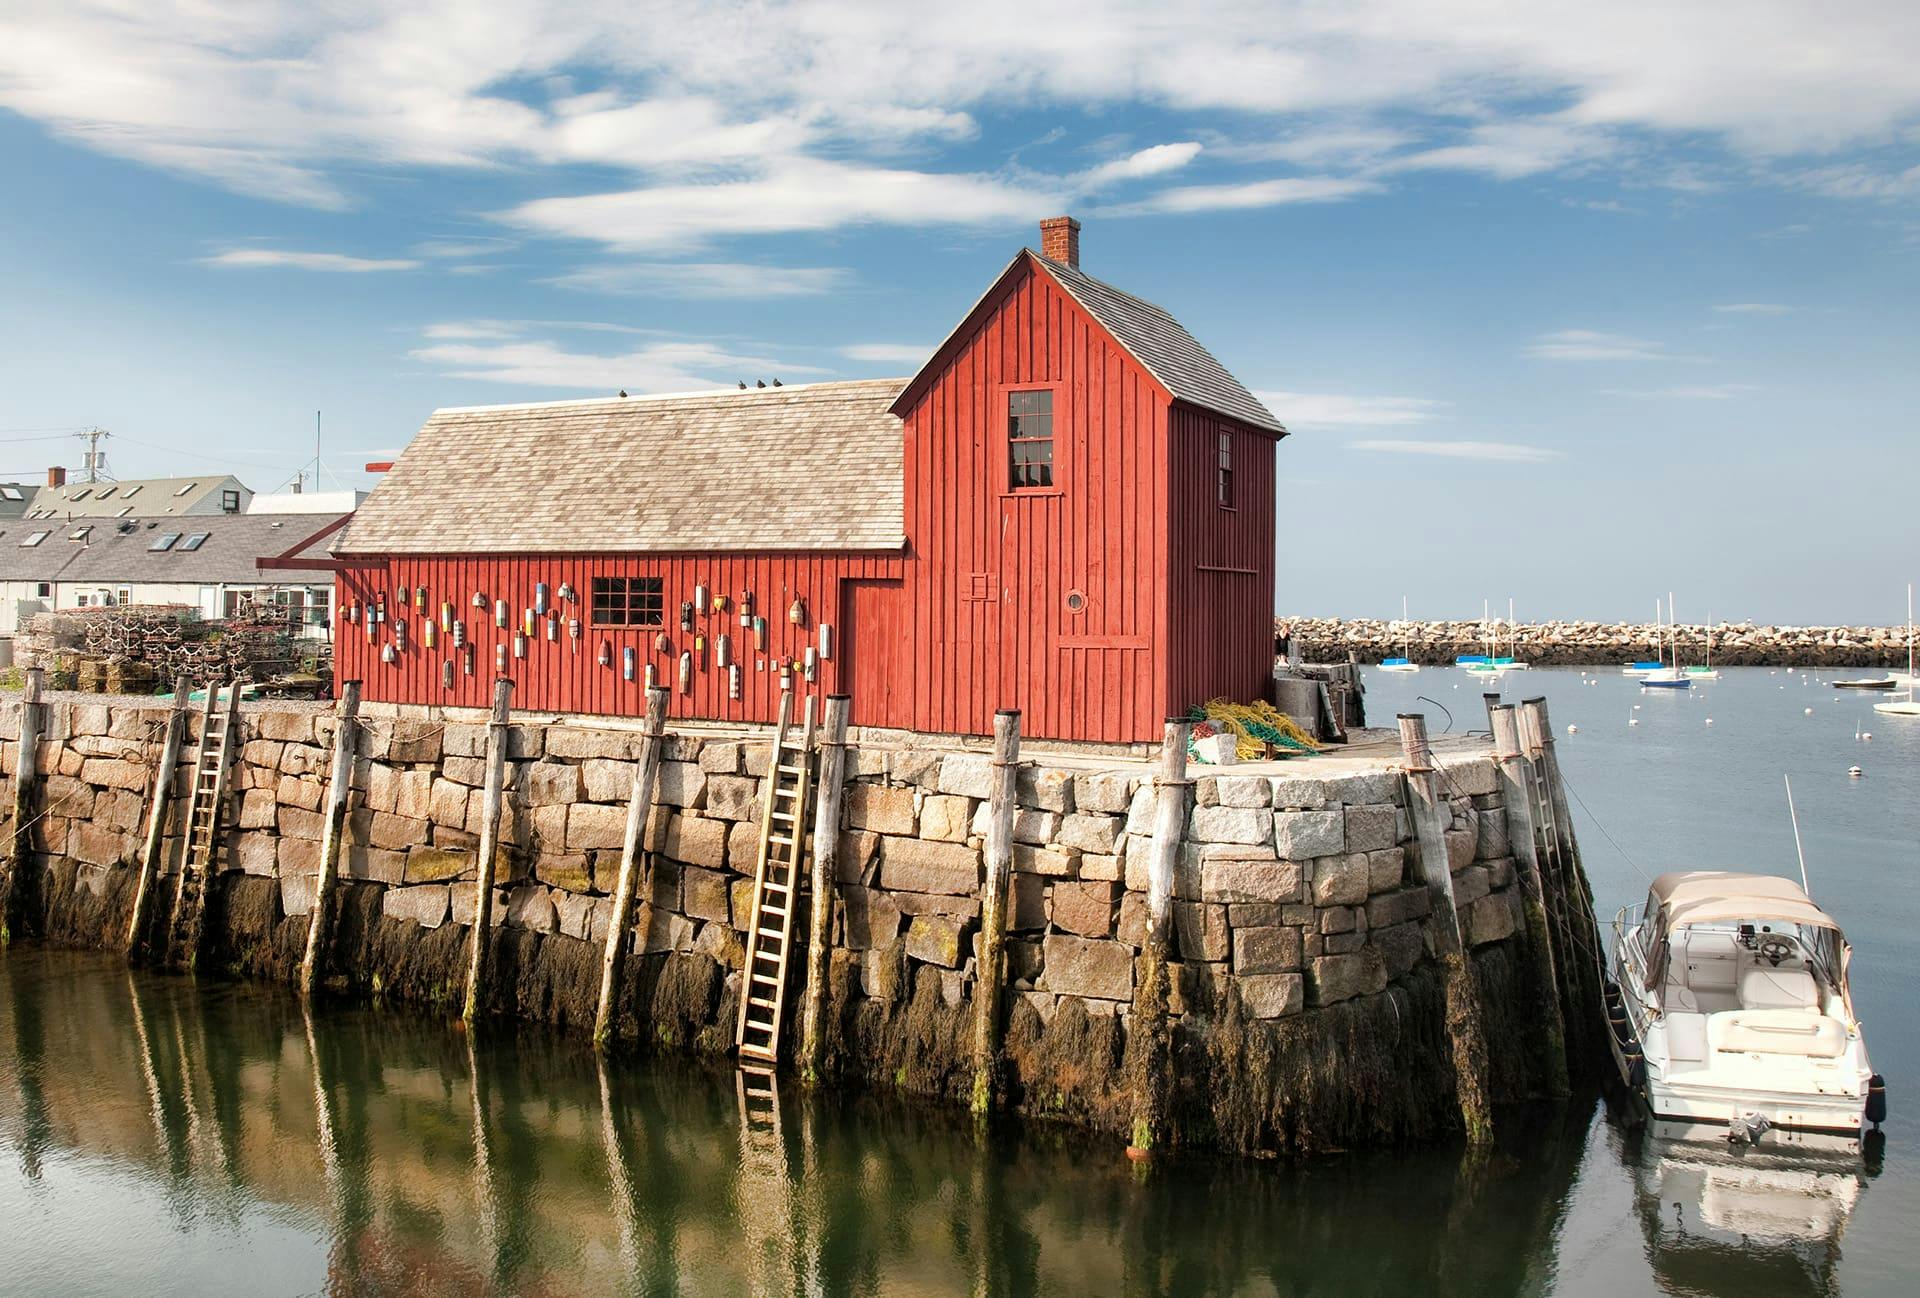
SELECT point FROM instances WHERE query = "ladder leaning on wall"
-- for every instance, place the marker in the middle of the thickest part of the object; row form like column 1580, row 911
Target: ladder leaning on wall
column 205, row 801
column 778, row 873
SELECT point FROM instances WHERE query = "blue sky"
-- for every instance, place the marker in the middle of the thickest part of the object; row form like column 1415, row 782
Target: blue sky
column 1563, row 302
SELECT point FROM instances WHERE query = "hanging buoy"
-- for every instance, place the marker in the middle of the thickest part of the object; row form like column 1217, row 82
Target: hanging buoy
column 652, row 675
column 797, row 612
column 760, row 633
column 628, row 663
column 722, row 652
column 606, row 653
column 353, row 612
column 573, row 628
column 419, row 599
column 370, row 626
column 539, row 596
column 826, row 640
column 566, row 592
column 686, row 673
column 446, row 674
column 810, row 663
column 459, row 633
column 380, row 611
column 686, row 616
column 661, row 644
column 733, row 681
column 500, row 612
column 526, row 622
column 719, row 603
column 500, row 659
column 428, row 631
column 700, row 644
column 746, row 608
column 700, row 600
column 467, row 653
column 519, row 645
column 386, row 653
column 400, row 597
column 479, row 599
column 446, row 615
column 553, row 626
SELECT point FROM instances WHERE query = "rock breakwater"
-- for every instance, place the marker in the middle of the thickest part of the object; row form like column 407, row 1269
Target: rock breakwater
column 1588, row 644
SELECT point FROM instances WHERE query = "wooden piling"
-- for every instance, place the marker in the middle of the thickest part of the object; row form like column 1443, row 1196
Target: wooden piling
column 1428, row 810
column 26, row 783
column 497, row 733
column 829, row 788
column 1583, row 949
column 164, row 773
column 326, row 873
column 632, row 849
column 994, row 889
column 1517, row 800
column 1152, row 1082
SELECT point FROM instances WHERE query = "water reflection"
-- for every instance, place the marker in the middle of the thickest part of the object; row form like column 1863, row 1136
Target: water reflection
column 369, row 1153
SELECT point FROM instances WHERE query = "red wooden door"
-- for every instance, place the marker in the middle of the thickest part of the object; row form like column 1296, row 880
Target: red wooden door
column 874, row 673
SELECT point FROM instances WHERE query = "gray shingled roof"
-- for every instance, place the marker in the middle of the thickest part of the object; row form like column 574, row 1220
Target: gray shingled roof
column 111, row 556
column 1184, row 368
column 141, row 497
column 809, row 467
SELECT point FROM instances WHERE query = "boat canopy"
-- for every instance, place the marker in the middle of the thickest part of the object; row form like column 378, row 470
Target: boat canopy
column 1705, row 896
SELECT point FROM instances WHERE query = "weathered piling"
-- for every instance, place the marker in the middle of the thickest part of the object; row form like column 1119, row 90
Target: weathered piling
column 26, row 783
column 990, row 985
column 1586, row 1006
column 151, row 845
column 339, row 780
column 1427, row 808
column 1521, row 836
column 829, row 789
column 1153, row 1050
column 497, row 738
column 632, row 846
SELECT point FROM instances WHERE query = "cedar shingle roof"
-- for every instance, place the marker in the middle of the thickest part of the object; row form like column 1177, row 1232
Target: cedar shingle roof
column 809, row 467
column 1184, row 368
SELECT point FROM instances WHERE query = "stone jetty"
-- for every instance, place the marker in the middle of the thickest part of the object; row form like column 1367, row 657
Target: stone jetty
column 1590, row 644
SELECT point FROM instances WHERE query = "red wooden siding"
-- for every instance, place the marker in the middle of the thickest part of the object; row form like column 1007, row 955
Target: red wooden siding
column 566, row 675
column 1222, row 563
column 983, row 620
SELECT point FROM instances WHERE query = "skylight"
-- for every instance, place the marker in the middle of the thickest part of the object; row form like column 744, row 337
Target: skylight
column 81, row 494
column 34, row 538
column 194, row 541
column 11, row 493
column 184, row 490
column 164, row 541
column 131, row 492
column 105, row 492
column 123, row 511
column 80, row 533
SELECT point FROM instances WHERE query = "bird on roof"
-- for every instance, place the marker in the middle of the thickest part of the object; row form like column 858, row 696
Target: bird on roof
column 776, row 383
column 759, row 383
column 623, row 392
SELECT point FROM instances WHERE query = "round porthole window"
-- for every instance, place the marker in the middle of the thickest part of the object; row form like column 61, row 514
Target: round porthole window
column 1076, row 601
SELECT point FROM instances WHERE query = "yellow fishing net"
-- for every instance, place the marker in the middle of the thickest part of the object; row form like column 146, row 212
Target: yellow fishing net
column 1254, row 726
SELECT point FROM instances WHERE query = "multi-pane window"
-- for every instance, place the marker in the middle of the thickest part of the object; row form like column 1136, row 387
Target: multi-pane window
column 628, row 601
column 1224, row 466
column 1030, row 439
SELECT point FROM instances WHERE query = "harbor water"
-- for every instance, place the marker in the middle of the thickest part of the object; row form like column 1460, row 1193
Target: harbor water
column 213, row 1138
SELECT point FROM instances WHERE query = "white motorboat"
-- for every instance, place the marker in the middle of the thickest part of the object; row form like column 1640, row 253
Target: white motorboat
column 1729, row 1004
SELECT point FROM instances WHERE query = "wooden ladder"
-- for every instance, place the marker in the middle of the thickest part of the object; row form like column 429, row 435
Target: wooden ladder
column 204, row 803
column 778, row 874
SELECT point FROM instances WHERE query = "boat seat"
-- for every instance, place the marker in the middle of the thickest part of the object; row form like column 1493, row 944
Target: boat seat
column 1779, row 1032
column 1766, row 987
column 1702, row 971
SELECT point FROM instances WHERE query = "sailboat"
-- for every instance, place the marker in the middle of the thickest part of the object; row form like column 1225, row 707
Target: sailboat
column 1405, row 662
column 1485, row 664
column 1906, row 707
column 1642, row 667
column 1668, row 677
column 1706, row 673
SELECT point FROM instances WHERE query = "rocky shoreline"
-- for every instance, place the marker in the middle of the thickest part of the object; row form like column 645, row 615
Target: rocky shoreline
column 1589, row 644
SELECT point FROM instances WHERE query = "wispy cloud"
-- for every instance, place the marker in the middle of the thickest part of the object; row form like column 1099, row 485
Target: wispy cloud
column 333, row 262
column 508, row 355
column 1249, row 194
column 887, row 353
column 1753, row 308
column 1154, row 161
column 706, row 279
column 456, row 249
column 1685, row 392
column 1592, row 345
column 1510, row 149
column 1301, row 410
column 1498, row 452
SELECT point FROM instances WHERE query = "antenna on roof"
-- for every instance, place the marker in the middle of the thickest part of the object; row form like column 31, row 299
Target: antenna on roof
column 1804, row 885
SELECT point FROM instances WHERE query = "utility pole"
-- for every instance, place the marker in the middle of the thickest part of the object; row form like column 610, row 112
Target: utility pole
column 95, row 462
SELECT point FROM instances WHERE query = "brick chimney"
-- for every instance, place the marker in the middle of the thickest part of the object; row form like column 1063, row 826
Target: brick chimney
column 56, row 476
column 1060, row 240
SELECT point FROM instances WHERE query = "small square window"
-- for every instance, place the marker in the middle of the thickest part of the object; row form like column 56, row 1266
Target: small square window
column 193, row 541
column 1030, row 440
column 1224, row 468
column 628, row 601
column 44, row 590
column 34, row 538
column 229, row 502
column 11, row 493
column 164, row 541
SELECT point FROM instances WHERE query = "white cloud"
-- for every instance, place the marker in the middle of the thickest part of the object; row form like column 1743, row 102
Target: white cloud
column 1499, row 452
column 705, row 279
column 1259, row 193
column 1507, row 150
column 454, row 249
column 1154, row 161
column 1301, row 410
column 887, row 353
column 1753, row 308
column 794, row 194
column 271, row 258
column 663, row 365
column 1592, row 345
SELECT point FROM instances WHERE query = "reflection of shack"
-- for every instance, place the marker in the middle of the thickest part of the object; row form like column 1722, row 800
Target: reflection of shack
column 1764, row 1219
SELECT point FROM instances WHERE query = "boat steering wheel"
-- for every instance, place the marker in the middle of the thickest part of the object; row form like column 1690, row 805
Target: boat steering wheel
column 1775, row 949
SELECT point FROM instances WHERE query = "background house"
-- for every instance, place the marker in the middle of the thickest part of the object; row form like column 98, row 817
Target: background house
column 196, row 497
column 1069, row 511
